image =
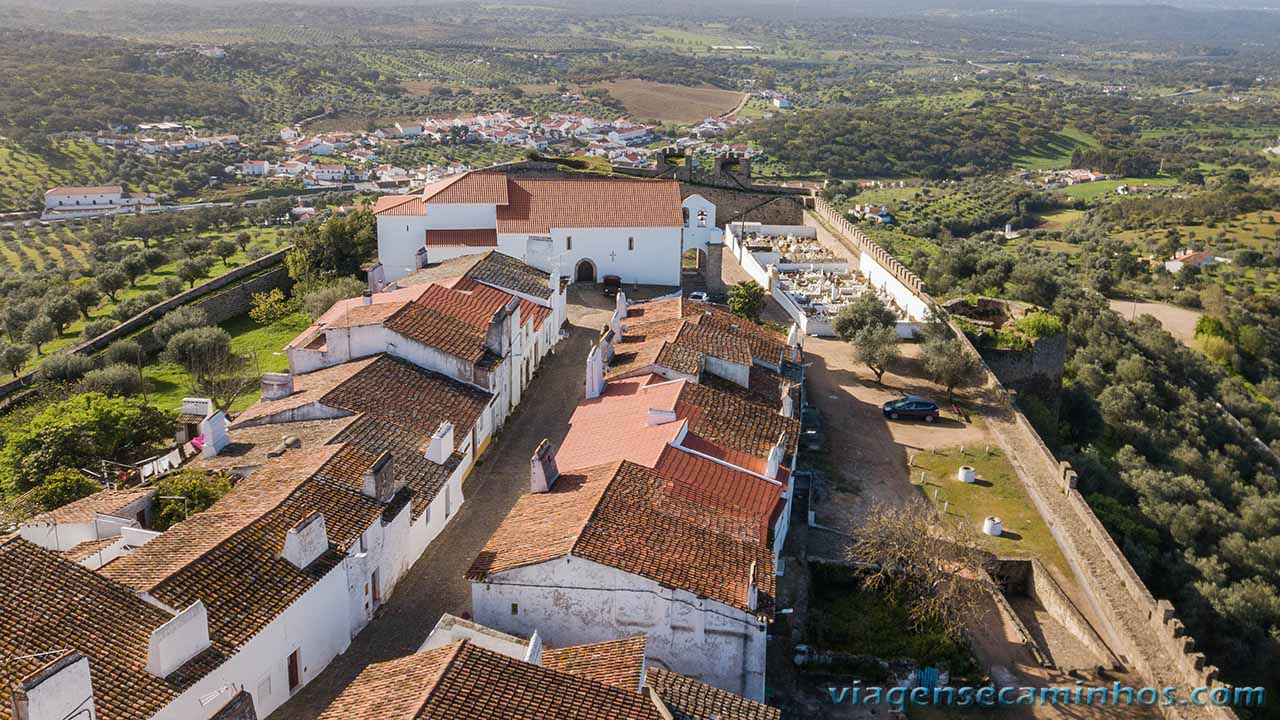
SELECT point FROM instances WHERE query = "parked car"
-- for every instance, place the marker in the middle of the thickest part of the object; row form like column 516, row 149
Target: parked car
column 612, row 284
column 912, row 406
column 698, row 297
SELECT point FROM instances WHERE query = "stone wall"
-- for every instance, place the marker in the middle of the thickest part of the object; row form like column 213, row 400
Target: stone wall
column 1142, row 631
column 1036, row 366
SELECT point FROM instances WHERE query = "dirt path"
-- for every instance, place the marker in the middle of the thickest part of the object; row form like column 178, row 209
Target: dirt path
column 1179, row 321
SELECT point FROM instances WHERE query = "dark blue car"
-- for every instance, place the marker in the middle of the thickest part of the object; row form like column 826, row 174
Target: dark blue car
column 911, row 406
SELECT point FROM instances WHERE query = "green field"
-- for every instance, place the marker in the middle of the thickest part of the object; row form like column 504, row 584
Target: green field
column 998, row 492
column 1060, row 219
column 24, row 175
column 1104, row 188
column 1055, row 152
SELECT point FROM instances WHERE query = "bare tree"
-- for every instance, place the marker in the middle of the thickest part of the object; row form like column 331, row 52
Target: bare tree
column 930, row 564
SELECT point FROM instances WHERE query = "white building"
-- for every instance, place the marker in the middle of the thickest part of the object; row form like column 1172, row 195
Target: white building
column 569, row 563
column 68, row 202
column 458, row 671
column 97, row 529
column 583, row 229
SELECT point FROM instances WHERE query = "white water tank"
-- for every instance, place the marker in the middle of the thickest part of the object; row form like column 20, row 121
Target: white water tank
column 966, row 474
column 991, row 526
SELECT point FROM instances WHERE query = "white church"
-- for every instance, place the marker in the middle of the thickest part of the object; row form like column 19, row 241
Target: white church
column 580, row 228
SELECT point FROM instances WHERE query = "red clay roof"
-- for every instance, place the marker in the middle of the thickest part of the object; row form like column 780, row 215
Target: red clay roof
column 619, row 663
column 752, row 498
column 462, row 238
column 615, row 426
column 473, row 188
column 399, row 205
column 537, row 205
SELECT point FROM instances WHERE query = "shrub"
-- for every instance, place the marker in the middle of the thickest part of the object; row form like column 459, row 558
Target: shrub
column 64, row 368
column 318, row 301
column 198, row 491
column 171, row 286
column 1040, row 324
column 94, row 328
column 129, row 308
column 123, row 352
column 63, row 487
column 177, row 320
column 114, row 380
column 268, row 307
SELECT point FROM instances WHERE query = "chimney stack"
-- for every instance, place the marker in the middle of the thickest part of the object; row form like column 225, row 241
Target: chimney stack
column 366, row 298
column 661, row 416
column 788, row 408
column 306, row 541
column 174, row 643
column 276, row 385
column 595, row 374
column 379, row 480
column 214, row 431
column 496, row 335
column 440, row 447
column 60, row 689
column 775, row 457
column 753, row 589
column 542, row 468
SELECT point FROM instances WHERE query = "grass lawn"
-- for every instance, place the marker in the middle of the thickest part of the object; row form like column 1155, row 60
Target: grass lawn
column 1060, row 219
column 998, row 492
column 170, row 383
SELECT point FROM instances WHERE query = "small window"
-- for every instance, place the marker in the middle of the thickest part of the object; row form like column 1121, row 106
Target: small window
column 295, row 674
column 568, row 242
column 515, row 608
column 631, row 243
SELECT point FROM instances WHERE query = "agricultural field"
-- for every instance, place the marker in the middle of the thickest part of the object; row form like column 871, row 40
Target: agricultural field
column 962, row 208
column 1054, row 153
column 25, row 175
column 1059, row 219
column 648, row 100
column 1103, row 189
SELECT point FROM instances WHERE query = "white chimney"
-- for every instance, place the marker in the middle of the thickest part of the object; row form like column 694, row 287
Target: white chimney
column 595, row 374
column 61, row 689
column 753, row 589
column 441, row 445
column 533, row 653
column 379, row 481
column 775, row 457
column 620, row 304
column 306, row 541
column 793, row 336
column 178, row 640
column 788, row 402
column 214, row 431
column 542, row 468
column 366, row 298
column 276, row 385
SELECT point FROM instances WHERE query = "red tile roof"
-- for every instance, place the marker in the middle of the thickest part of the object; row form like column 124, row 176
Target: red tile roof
column 619, row 663
column 462, row 238
column 473, row 188
column 104, row 502
column 752, row 498
column 637, row 521
column 537, row 205
column 399, row 205
column 615, row 426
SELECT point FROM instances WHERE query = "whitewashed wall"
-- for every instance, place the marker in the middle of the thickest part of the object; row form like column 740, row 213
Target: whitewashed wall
column 880, row 277
column 571, row 601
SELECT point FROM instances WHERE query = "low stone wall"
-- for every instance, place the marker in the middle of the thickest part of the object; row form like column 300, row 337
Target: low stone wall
column 1141, row 630
column 1042, row 362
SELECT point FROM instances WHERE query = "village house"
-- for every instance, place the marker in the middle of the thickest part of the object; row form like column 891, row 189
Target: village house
column 96, row 529
column 1192, row 258
column 582, row 228
column 87, row 201
column 489, row 327
column 465, row 671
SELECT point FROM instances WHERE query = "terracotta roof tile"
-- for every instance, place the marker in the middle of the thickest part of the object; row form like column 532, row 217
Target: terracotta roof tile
column 418, row 400
column 103, row 502
column 87, row 548
column 442, row 331
column 308, row 388
column 749, row 497
column 507, row 273
column 615, row 426
column 422, row 477
column 399, row 205
column 619, row 663
column 538, row 204
column 463, row 681
column 689, row 699
column 734, row 423
column 48, row 602
column 462, row 238
column 633, row 519
column 473, row 188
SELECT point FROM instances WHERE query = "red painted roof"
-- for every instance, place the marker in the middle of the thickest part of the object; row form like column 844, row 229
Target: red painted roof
column 615, row 426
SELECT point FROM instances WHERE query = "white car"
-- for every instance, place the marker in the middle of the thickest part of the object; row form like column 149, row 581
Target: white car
column 698, row 297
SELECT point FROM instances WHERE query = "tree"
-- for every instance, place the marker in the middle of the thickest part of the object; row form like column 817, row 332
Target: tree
column 16, row 317
column 177, row 320
column 80, row 432
column 934, row 566
column 118, row 379
column 243, row 239
column 197, row 491
column 134, row 266
column 13, row 357
column 111, row 281
column 62, row 310
column 126, row 352
column 94, row 328
column 334, row 248
column 64, row 368
column 154, row 259
column 866, row 310
column 216, row 371
column 85, row 296
column 192, row 269
column 268, row 307
column 224, row 249
column 40, row 331
column 876, row 346
column 948, row 363
column 63, row 487
column 746, row 299
column 321, row 299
